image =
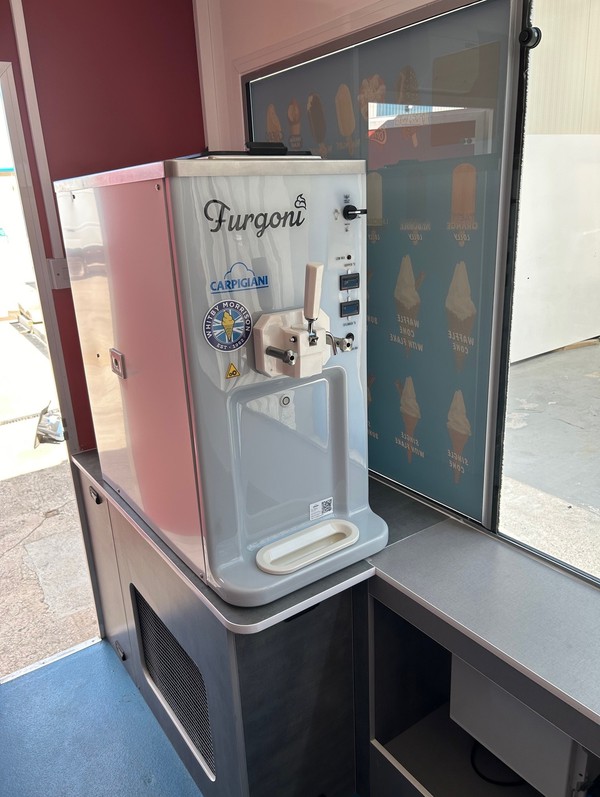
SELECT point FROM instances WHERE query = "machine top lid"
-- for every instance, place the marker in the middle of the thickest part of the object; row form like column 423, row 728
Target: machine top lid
column 215, row 166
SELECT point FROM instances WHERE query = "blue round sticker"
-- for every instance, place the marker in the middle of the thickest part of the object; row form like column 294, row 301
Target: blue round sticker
column 227, row 325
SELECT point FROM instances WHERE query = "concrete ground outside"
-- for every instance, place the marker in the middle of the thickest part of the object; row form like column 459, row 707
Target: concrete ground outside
column 46, row 603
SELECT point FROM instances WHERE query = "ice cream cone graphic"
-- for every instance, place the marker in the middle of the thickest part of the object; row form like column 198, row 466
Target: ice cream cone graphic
column 459, row 430
column 294, row 116
column 318, row 126
column 345, row 116
column 274, row 129
column 461, row 314
column 407, row 94
column 464, row 196
column 406, row 296
column 372, row 90
column 227, row 322
column 410, row 411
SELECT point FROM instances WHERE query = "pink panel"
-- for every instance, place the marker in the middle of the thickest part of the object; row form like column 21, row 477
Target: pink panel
column 146, row 331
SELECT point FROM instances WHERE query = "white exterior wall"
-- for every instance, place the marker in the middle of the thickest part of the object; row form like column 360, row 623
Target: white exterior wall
column 557, row 287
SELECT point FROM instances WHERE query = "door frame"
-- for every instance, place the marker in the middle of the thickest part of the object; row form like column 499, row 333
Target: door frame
column 43, row 267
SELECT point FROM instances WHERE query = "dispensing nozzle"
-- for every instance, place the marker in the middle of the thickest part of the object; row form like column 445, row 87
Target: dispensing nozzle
column 343, row 344
column 274, row 332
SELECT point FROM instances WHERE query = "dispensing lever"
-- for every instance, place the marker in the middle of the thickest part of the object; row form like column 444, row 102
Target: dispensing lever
column 313, row 281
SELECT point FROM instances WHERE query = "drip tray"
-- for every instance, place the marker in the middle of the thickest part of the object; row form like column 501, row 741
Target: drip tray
column 307, row 546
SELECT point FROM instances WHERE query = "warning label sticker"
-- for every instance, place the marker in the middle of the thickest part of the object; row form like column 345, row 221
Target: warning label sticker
column 232, row 372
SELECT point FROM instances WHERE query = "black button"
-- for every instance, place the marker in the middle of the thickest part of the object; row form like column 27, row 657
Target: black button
column 349, row 282
column 349, row 308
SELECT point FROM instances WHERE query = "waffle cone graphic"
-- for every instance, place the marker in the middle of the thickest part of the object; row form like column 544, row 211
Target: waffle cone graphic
column 462, row 327
column 408, row 301
column 274, row 129
column 459, row 441
column 459, row 428
column 410, row 424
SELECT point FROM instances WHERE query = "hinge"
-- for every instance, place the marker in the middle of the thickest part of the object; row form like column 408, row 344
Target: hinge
column 59, row 272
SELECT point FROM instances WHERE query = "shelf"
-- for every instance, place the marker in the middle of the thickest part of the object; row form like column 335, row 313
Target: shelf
column 437, row 753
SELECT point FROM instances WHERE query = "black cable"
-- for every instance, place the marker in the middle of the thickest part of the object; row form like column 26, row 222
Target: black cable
column 476, row 746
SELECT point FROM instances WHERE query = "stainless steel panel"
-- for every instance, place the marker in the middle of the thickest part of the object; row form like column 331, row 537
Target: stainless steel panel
column 105, row 569
column 120, row 262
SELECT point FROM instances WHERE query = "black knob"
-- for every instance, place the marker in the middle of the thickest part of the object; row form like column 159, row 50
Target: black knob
column 530, row 37
column 350, row 212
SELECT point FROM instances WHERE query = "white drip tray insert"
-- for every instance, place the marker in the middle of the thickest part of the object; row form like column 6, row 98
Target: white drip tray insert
column 307, row 546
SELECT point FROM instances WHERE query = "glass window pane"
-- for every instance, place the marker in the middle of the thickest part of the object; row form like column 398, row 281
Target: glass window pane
column 425, row 106
column 550, row 496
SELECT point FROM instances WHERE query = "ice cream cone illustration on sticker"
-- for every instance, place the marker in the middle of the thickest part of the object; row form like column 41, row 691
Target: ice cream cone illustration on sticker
column 274, row 129
column 407, row 94
column 410, row 411
column 408, row 301
column 461, row 315
column 464, row 201
column 459, row 430
column 346, row 120
column 318, row 127
column 227, row 322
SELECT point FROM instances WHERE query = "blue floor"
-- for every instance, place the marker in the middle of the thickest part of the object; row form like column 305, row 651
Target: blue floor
column 79, row 728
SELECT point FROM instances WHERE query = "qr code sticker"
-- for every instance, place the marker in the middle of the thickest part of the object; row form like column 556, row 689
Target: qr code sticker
column 320, row 508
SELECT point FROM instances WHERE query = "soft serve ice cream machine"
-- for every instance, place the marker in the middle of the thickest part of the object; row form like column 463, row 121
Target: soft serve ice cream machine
column 222, row 314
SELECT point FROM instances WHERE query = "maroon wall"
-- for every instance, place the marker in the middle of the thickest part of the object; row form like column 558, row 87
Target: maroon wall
column 117, row 82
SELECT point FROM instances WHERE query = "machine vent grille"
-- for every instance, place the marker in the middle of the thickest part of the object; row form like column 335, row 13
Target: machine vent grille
column 177, row 678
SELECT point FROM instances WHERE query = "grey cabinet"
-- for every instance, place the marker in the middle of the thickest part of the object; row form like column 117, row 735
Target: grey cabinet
column 445, row 717
column 251, row 714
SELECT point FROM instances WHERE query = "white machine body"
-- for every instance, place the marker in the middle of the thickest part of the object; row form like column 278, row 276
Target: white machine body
column 222, row 314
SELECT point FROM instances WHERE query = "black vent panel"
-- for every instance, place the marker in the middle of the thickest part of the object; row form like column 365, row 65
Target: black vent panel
column 176, row 677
